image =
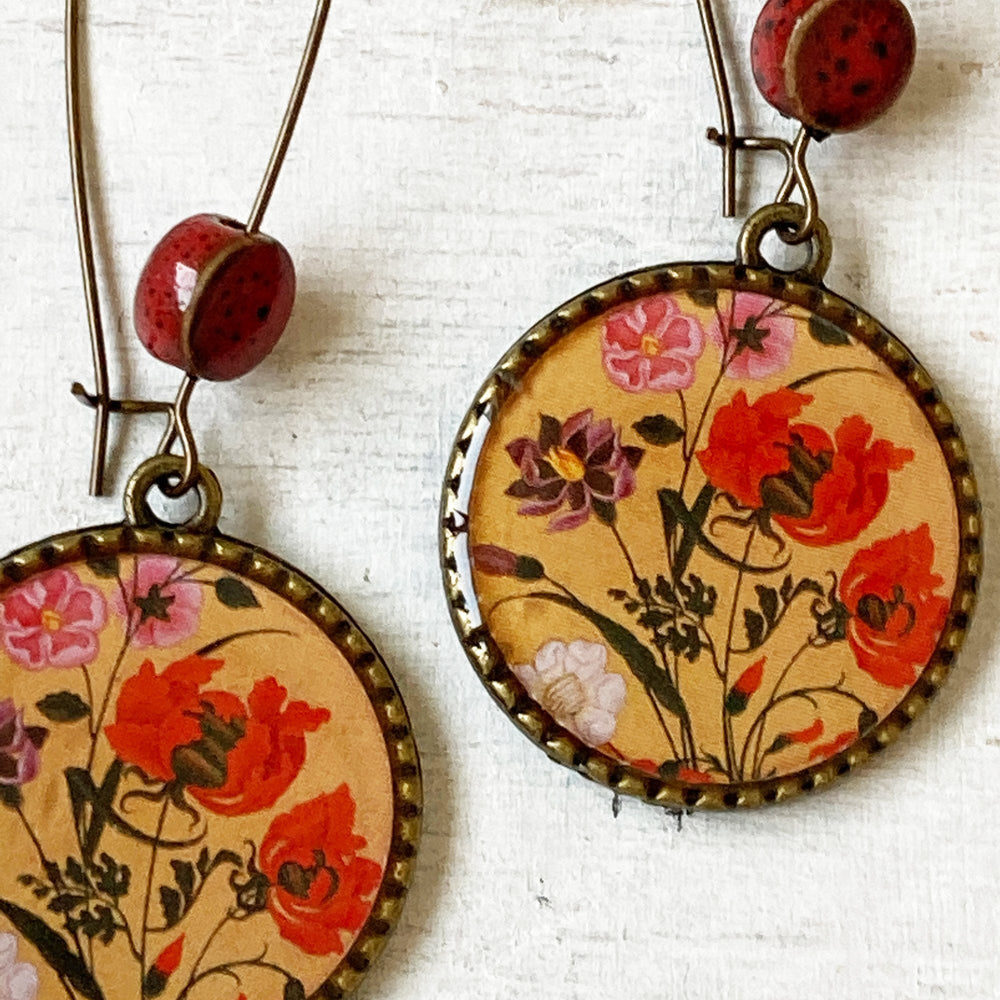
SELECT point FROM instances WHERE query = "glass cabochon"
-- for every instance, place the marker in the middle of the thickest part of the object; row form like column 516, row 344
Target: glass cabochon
column 710, row 535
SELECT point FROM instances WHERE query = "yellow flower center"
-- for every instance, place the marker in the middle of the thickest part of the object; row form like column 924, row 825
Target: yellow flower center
column 565, row 696
column 51, row 621
column 566, row 464
column 650, row 346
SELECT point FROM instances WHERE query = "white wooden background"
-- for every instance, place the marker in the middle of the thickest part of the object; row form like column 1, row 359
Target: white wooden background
column 462, row 167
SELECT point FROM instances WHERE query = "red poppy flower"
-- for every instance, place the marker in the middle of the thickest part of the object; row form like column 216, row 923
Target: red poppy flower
column 821, row 491
column 747, row 443
column 320, row 887
column 896, row 616
column 826, row 750
column 849, row 495
column 234, row 757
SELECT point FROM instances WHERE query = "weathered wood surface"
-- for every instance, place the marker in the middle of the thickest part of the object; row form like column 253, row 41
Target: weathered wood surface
column 461, row 168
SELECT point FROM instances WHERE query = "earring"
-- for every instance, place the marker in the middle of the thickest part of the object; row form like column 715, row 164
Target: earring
column 710, row 535
column 208, row 784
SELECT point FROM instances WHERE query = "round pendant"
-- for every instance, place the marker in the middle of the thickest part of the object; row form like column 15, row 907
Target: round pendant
column 208, row 784
column 710, row 535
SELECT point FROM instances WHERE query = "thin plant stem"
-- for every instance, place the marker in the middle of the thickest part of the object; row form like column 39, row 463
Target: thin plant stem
column 90, row 699
column 149, row 890
column 727, row 722
column 767, row 707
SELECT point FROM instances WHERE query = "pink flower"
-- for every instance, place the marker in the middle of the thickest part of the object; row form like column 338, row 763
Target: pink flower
column 20, row 760
column 579, row 463
column 161, row 604
column 652, row 345
column 53, row 621
column 756, row 337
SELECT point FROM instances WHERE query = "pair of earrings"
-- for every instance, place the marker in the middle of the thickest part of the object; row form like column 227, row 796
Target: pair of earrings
column 710, row 537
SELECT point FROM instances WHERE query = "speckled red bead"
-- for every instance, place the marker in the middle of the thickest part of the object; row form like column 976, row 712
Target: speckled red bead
column 835, row 65
column 213, row 299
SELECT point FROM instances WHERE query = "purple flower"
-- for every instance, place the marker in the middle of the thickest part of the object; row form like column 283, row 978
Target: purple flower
column 580, row 464
column 20, row 760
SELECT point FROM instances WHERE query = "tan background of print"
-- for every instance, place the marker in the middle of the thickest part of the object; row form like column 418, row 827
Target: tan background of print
column 349, row 748
column 569, row 378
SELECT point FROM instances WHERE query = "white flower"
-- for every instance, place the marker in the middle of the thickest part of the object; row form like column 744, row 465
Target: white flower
column 572, row 683
column 18, row 980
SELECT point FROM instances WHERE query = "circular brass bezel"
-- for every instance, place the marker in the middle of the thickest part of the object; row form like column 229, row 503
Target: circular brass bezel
column 304, row 594
column 488, row 661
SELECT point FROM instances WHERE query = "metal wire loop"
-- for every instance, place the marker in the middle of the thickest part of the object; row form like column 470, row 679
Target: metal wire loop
column 786, row 217
column 162, row 471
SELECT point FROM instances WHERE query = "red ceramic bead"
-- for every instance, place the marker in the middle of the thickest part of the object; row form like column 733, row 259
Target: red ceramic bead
column 835, row 65
column 213, row 299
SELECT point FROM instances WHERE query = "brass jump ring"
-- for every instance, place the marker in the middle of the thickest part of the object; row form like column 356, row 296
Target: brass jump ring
column 160, row 470
column 785, row 217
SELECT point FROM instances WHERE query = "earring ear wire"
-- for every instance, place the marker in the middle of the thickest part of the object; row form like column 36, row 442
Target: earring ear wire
column 101, row 400
column 731, row 142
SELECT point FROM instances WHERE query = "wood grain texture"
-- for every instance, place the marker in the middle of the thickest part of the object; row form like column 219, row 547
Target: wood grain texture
column 461, row 168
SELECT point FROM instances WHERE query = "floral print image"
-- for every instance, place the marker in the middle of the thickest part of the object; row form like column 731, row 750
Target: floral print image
column 196, row 799
column 712, row 535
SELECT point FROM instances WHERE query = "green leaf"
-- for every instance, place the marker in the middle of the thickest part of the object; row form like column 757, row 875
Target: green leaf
column 605, row 510
column 53, row 948
column 107, row 567
column 868, row 719
column 640, row 660
column 63, row 706
column 703, row 296
column 75, row 872
column 235, row 593
column 528, row 568
column 114, row 879
column 184, row 877
column 67, row 901
column 294, row 990
column 170, row 903
column 673, row 507
column 549, row 433
column 659, row 430
column 826, row 332
column 10, row 795
column 755, row 627
column 767, row 598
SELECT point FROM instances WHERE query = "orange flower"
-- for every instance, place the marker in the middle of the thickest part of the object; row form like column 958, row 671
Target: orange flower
column 821, row 491
column 826, row 750
column 693, row 777
column 896, row 616
column 850, row 494
column 320, row 887
column 235, row 758
column 745, row 688
column 156, row 979
column 748, row 443
column 808, row 735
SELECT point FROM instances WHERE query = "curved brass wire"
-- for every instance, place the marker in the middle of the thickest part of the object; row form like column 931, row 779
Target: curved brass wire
column 797, row 170
column 179, row 427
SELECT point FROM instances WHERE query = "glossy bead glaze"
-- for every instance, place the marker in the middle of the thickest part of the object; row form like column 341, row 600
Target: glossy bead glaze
column 835, row 65
column 213, row 300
